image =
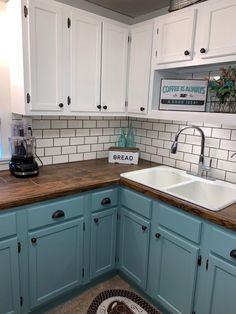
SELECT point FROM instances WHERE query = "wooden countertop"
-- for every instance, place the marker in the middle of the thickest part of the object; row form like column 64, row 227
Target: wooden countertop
column 65, row 179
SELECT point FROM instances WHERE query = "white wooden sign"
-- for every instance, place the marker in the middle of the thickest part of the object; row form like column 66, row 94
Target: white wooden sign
column 185, row 95
column 123, row 155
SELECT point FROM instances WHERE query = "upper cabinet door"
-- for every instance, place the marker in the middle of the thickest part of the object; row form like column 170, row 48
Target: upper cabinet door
column 175, row 37
column 85, row 62
column 46, row 57
column 140, row 63
column 114, row 67
column 218, row 25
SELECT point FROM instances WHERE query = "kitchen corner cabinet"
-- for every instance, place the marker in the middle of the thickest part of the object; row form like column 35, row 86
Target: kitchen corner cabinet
column 103, row 232
column 174, row 258
column 63, row 63
column 134, row 236
column 9, row 270
column 139, row 69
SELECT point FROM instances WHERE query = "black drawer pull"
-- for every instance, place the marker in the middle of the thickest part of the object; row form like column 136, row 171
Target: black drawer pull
column 58, row 214
column 104, row 107
column 61, row 105
column 233, row 254
column 186, row 53
column 99, row 107
column 157, row 235
column 142, row 108
column 106, row 201
column 144, row 228
column 96, row 220
column 203, row 50
column 33, row 240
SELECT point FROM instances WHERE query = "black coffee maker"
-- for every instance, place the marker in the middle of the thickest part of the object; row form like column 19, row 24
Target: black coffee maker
column 23, row 163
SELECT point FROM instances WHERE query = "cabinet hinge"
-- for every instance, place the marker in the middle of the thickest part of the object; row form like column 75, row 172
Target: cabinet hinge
column 83, row 272
column 19, row 247
column 21, row 301
column 129, row 39
column 199, row 260
column 68, row 22
column 26, row 11
column 83, row 226
column 68, row 100
column 126, row 103
column 207, row 261
column 28, row 98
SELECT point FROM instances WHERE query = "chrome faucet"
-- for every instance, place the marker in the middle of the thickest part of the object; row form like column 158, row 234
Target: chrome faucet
column 201, row 167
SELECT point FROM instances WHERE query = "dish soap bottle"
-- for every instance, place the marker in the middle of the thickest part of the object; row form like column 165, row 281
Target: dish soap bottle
column 130, row 138
column 122, row 139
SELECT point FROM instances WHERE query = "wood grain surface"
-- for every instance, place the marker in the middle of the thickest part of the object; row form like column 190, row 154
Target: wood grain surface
column 66, row 179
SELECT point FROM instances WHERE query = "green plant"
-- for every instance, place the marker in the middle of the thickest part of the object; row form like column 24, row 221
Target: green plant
column 224, row 86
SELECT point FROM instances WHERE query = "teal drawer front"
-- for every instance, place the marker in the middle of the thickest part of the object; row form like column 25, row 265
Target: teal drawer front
column 178, row 222
column 58, row 211
column 223, row 243
column 7, row 225
column 104, row 199
column 136, row 202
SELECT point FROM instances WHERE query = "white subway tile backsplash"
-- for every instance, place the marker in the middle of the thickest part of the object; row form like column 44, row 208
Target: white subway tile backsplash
column 88, row 156
column 91, row 140
column 229, row 145
column 84, row 148
column 76, row 157
column 77, row 140
column 221, row 133
column 44, row 142
column 90, row 124
column 50, row 133
column 82, row 132
column 60, row 159
column 59, row 124
column 69, row 150
column 51, row 151
column 61, row 141
column 67, row 132
column 75, row 124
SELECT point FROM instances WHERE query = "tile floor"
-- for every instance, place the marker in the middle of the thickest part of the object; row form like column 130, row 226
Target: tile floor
column 80, row 304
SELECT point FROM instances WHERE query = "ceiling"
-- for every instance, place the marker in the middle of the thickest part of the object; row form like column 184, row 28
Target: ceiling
column 132, row 8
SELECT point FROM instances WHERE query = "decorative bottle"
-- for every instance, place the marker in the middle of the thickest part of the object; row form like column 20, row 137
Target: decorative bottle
column 130, row 138
column 122, row 139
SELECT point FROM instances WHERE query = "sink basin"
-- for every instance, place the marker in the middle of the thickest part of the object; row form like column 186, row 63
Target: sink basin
column 157, row 177
column 211, row 195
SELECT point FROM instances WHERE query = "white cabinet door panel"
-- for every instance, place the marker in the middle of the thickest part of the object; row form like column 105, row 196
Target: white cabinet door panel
column 85, row 62
column 46, row 61
column 218, row 24
column 114, row 67
column 140, row 63
column 175, row 34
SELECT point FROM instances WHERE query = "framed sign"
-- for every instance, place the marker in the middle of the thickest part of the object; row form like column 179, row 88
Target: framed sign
column 183, row 95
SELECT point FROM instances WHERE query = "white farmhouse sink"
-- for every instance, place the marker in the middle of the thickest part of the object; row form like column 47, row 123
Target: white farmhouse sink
column 213, row 195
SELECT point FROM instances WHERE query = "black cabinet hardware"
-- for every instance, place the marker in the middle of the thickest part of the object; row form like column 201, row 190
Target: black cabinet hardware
column 203, row 50
column 96, row 220
column 106, row 201
column 68, row 100
column 186, row 53
column 233, row 254
column 199, row 260
column 104, row 107
column 157, row 235
column 144, row 228
column 34, row 240
column 58, row 214
column 142, row 108
column 61, row 105
column 99, row 107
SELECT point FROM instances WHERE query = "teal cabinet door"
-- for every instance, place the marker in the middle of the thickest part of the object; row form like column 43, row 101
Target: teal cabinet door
column 9, row 277
column 55, row 260
column 173, row 270
column 134, row 247
column 103, row 242
column 220, row 286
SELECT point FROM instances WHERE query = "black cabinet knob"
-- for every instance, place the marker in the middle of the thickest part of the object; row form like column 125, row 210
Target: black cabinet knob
column 61, row 105
column 186, row 53
column 157, row 235
column 99, row 107
column 104, row 107
column 203, row 50
column 142, row 108
column 58, row 214
column 233, row 254
column 33, row 240
column 96, row 220
column 106, row 201
column 144, row 228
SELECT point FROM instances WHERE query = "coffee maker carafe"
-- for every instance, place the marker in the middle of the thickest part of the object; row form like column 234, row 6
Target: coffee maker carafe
column 22, row 144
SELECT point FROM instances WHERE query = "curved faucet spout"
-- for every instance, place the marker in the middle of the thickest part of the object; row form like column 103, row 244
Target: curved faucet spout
column 201, row 157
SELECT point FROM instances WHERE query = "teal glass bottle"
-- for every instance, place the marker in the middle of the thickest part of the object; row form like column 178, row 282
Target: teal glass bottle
column 130, row 138
column 122, row 139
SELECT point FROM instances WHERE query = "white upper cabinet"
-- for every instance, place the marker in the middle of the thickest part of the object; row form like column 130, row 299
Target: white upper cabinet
column 46, row 58
column 114, row 67
column 85, row 62
column 175, row 36
column 217, row 25
column 140, row 64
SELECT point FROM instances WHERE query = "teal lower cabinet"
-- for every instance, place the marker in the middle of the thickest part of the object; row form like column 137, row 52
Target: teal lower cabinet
column 174, row 259
column 134, row 246
column 9, row 269
column 55, row 260
column 103, row 242
column 9, row 277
